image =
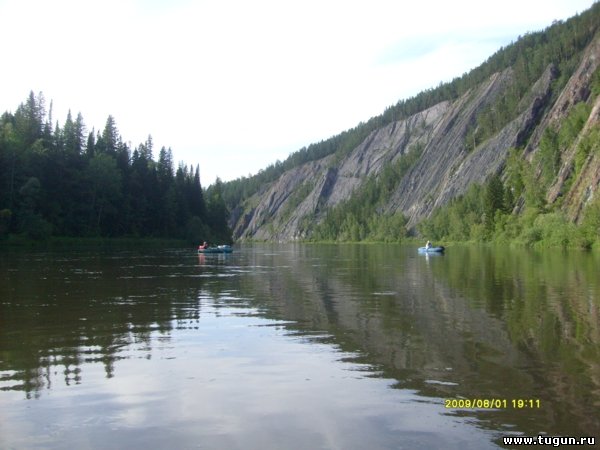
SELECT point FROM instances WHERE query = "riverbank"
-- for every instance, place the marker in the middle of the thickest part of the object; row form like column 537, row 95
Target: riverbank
column 499, row 241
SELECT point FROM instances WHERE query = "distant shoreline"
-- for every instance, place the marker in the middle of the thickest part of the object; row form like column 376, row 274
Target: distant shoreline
column 58, row 242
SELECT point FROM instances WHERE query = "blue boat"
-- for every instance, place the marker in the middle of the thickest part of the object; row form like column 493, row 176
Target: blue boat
column 217, row 249
column 439, row 249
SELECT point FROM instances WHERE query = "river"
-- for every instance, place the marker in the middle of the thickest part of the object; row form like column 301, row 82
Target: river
column 297, row 347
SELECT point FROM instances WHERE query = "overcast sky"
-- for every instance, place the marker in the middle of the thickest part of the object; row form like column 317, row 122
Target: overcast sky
column 235, row 85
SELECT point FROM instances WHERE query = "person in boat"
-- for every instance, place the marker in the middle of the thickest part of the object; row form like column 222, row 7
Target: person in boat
column 204, row 246
column 428, row 245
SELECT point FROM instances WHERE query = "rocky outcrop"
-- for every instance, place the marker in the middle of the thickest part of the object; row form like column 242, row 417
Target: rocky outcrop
column 577, row 90
column 457, row 168
column 587, row 183
column 446, row 167
column 278, row 212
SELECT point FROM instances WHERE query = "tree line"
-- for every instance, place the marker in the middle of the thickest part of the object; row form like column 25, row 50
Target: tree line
column 63, row 181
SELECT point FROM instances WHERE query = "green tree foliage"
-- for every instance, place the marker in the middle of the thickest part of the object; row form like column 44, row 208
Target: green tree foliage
column 104, row 184
column 548, row 156
column 463, row 219
column 573, row 124
column 73, row 135
column 590, row 226
column 361, row 217
column 60, row 180
column 110, row 137
column 29, row 120
column 588, row 145
column 494, row 201
column 595, row 84
column 555, row 142
column 31, row 221
column 514, row 173
column 217, row 211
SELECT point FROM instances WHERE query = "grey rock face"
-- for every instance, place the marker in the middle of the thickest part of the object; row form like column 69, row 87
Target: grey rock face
column 447, row 166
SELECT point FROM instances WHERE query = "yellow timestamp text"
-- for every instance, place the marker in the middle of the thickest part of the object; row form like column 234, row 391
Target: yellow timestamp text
column 492, row 403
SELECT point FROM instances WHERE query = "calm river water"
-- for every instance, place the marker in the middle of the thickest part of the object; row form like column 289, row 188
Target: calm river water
column 297, row 347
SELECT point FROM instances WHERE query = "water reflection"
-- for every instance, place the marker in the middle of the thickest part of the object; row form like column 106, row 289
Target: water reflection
column 477, row 323
column 275, row 345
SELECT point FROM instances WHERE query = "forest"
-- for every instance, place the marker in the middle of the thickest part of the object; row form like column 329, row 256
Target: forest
column 64, row 181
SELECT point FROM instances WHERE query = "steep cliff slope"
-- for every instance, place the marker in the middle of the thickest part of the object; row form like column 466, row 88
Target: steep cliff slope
column 587, row 181
column 447, row 164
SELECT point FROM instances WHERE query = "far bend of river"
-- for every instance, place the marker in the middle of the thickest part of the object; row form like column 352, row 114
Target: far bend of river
column 297, row 347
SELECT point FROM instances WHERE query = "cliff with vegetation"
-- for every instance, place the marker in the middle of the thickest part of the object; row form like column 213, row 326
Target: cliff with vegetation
column 507, row 151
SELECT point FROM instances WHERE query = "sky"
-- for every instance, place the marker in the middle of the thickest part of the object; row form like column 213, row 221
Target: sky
column 235, row 85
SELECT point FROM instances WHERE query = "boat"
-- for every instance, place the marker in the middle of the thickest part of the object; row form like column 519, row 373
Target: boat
column 217, row 249
column 439, row 249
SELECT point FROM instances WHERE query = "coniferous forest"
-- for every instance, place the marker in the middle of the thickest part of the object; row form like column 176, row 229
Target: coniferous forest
column 65, row 181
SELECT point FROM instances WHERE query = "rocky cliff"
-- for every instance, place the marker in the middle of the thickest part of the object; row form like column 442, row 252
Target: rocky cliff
column 447, row 164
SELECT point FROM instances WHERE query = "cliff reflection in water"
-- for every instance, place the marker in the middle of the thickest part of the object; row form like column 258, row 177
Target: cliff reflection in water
column 476, row 323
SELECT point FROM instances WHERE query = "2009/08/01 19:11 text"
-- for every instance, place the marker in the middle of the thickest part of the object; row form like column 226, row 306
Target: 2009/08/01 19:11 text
column 492, row 403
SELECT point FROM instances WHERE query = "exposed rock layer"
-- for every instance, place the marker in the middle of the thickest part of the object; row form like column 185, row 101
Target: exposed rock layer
column 447, row 166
